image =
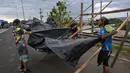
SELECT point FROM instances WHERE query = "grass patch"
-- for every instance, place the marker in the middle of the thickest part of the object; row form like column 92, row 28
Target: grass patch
column 125, row 52
column 98, row 44
column 125, row 48
column 128, row 36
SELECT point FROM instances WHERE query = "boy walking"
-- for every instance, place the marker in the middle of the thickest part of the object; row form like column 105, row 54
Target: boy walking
column 21, row 45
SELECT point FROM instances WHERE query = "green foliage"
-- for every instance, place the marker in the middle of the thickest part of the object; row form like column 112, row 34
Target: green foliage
column 125, row 48
column 126, row 26
column 128, row 36
column 118, row 21
column 98, row 44
column 115, row 21
column 60, row 14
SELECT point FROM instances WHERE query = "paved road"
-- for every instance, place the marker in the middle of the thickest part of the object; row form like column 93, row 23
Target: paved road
column 50, row 64
column 3, row 30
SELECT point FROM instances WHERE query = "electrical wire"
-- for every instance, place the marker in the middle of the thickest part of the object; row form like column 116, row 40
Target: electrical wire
column 71, row 3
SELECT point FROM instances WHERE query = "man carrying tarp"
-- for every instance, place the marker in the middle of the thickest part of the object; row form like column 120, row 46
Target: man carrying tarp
column 74, row 29
column 105, row 33
column 21, row 45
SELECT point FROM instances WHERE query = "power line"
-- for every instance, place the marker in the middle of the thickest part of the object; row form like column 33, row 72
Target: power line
column 44, row 0
column 71, row 2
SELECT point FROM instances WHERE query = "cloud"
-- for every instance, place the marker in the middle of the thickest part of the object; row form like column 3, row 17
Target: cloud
column 97, row 5
column 8, row 7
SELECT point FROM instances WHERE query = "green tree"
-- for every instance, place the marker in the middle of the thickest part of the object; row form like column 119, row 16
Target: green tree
column 60, row 14
column 116, row 21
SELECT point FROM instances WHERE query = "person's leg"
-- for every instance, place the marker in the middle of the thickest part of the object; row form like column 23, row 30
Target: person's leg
column 21, row 67
column 25, row 66
column 106, row 62
column 100, row 58
column 106, row 69
column 25, row 62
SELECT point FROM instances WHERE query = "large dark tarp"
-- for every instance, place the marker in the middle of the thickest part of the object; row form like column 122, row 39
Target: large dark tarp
column 37, row 39
column 70, row 50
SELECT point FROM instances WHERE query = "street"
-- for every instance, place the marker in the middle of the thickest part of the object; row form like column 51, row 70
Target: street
column 9, row 60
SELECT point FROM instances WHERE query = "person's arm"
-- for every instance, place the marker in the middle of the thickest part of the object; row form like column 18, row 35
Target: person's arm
column 27, row 32
column 110, row 30
column 109, row 34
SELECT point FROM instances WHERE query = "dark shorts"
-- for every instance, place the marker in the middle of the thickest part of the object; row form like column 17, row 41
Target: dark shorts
column 22, row 51
column 23, row 54
column 103, row 57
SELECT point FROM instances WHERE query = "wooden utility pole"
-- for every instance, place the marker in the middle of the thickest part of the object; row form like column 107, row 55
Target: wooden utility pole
column 23, row 10
column 81, row 17
column 17, row 12
column 41, row 16
column 127, row 22
column 92, row 16
column 100, row 8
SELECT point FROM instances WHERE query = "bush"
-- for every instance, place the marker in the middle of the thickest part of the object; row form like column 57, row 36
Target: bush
column 128, row 36
column 125, row 48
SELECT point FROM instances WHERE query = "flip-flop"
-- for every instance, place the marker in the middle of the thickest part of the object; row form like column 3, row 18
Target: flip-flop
column 20, row 69
column 28, row 71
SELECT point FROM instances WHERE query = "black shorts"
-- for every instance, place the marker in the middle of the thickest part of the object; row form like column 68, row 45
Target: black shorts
column 103, row 57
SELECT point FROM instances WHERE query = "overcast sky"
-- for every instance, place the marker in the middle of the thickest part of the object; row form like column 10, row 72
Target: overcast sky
column 9, row 8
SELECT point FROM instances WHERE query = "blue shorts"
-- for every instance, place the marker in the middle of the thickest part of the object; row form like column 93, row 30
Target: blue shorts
column 24, row 58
